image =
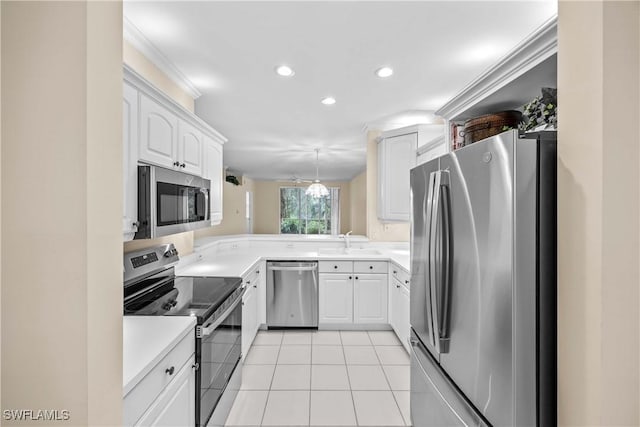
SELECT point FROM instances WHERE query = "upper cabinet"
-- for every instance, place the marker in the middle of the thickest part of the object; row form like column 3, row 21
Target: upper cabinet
column 129, row 161
column 397, row 155
column 213, row 171
column 190, row 155
column 512, row 82
column 158, row 131
column 158, row 134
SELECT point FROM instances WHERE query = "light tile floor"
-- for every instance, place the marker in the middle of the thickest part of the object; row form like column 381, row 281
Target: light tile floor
column 324, row 378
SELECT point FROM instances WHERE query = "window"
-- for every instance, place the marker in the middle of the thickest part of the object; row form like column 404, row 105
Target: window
column 302, row 214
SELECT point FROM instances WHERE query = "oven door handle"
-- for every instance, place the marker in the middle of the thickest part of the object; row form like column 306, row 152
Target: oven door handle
column 206, row 331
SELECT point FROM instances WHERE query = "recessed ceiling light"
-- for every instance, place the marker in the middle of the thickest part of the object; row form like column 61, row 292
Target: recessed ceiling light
column 328, row 100
column 384, row 72
column 284, row 71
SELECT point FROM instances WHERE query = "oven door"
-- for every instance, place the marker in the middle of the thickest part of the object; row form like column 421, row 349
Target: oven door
column 219, row 353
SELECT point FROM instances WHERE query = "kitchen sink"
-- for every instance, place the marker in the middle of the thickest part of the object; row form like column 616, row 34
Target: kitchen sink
column 351, row 251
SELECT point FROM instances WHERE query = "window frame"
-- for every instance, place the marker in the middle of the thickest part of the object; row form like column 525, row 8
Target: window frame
column 300, row 193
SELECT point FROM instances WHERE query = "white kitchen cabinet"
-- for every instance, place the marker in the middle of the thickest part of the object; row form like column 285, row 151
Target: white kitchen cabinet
column 249, row 316
column 396, row 156
column 129, row 162
column 370, row 298
column 399, row 310
column 158, row 134
column 160, row 396
column 335, row 298
column 213, row 171
column 190, row 153
column 176, row 405
column 250, row 320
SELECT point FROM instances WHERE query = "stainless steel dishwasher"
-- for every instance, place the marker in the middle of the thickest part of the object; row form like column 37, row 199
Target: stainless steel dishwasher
column 292, row 294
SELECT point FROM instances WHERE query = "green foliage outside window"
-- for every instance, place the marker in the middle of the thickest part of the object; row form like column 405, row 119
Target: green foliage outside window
column 302, row 214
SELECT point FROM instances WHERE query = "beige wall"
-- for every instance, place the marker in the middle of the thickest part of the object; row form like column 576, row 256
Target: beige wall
column 147, row 69
column 267, row 205
column 62, row 275
column 376, row 230
column 182, row 241
column 358, row 189
column 598, row 211
column 234, row 220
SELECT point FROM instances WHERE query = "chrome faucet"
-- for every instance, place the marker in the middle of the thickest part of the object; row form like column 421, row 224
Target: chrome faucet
column 347, row 240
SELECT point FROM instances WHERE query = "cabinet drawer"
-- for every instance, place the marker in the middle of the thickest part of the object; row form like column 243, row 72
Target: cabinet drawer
column 400, row 275
column 335, row 266
column 370, row 267
column 145, row 392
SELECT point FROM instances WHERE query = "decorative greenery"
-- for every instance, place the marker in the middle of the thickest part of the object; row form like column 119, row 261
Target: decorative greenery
column 541, row 112
column 232, row 179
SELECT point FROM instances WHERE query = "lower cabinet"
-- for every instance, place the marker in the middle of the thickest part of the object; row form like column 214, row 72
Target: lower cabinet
column 356, row 293
column 166, row 395
column 249, row 316
column 250, row 319
column 176, row 406
column 370, row 298
column 335, row 298
column 399, row 311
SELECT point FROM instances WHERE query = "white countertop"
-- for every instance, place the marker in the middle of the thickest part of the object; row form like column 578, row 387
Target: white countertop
column 146, row 340
column 238, row 263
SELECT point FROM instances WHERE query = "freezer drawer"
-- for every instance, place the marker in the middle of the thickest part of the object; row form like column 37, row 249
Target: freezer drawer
column 292, row 294
column 435, row 401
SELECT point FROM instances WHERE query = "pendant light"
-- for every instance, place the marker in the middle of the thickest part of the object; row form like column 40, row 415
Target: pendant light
column 316, row 189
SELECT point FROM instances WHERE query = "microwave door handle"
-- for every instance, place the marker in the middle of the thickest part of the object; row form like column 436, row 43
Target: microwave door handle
column 185, row 205
column 206, row 203
column 429, row 252
column 433, row 262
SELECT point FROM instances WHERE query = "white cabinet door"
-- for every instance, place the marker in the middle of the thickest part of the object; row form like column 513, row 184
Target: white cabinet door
column 403, row 331
column 129, row 162
column 189, row 148
column 396, row 157
column 158, row 134
column 335, row 298
column 213, row 171
column 370, row 298
column 176, row 405
column 249, row 314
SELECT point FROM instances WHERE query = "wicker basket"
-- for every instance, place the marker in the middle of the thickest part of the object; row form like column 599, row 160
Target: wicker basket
column 490, row 124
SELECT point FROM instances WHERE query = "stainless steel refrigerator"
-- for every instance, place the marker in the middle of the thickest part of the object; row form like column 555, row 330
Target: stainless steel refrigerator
column 483, row 284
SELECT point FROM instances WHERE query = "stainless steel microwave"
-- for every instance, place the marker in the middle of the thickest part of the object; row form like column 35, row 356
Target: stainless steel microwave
column 170, row 202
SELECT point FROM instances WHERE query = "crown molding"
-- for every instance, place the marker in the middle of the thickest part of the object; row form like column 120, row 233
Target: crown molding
column 133, row 35
column 536, row 48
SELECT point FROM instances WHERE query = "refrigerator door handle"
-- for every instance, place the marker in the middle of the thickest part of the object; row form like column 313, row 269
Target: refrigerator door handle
column 442, row 305
column 430, row 258
column 433, row 262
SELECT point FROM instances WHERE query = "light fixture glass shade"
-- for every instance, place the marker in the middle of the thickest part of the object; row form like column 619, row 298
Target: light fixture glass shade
column 317, row 190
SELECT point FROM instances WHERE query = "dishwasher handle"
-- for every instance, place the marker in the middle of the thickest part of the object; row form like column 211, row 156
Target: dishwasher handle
column 289, row 268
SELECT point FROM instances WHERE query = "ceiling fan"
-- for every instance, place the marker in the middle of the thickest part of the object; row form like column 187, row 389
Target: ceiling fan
column 296, row 180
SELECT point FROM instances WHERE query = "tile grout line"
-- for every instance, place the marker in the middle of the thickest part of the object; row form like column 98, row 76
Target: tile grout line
column 353, row 400
column 390, row 389
column 264, row 410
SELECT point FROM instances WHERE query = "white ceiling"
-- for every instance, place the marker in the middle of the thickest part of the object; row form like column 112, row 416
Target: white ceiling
column 229, row 50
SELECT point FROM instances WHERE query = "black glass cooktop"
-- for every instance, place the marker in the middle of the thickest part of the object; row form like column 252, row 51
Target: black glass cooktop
column 183, row 296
